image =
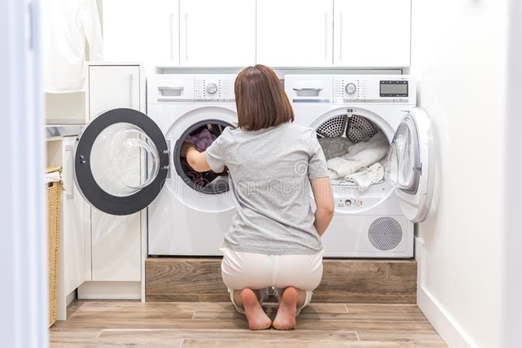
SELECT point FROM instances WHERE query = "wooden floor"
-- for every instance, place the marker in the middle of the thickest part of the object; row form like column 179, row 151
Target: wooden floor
column 205, row 324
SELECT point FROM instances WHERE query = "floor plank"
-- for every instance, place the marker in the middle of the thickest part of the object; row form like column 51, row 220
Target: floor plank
column 291, row 344
column 114, row 324
column 159, row 336
column 362, row 317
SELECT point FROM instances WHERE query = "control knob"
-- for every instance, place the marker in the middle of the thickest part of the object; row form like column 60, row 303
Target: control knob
column 211, row 88
column 350, row 88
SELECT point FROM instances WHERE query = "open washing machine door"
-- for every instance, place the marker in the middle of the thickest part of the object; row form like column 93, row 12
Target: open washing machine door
column 407, row 166
column 121, row 161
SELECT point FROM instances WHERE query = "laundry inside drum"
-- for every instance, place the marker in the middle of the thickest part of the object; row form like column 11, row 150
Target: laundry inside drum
column 202, row 135
column 355, row 149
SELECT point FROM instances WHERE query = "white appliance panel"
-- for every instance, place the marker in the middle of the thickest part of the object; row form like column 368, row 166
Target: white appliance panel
column 350, row 236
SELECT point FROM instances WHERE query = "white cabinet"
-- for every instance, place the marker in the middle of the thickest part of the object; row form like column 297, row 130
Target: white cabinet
column 294, row 33
column 141, row 31
column 217, row 33
column 74, row 267
column 372, row 33
column 116, row 247
column 116, row 241
column 113, row 87
column 75, row 224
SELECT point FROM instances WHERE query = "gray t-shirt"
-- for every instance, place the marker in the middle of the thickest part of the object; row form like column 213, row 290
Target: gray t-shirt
column 269, row 174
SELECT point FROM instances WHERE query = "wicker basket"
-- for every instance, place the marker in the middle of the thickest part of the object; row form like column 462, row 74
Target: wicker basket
column 54, row 209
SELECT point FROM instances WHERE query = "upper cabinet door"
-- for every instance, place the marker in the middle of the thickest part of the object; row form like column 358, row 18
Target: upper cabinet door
column 372, row 33
column 217, row 33
column 141, row 31
column 113, row 87
column 294, row 33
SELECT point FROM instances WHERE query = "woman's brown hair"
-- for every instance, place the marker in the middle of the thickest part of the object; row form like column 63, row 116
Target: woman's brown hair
column 260, row 99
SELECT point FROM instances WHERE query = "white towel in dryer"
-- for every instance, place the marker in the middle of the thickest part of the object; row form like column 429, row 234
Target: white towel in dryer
column 366, row 177
column 360, row 155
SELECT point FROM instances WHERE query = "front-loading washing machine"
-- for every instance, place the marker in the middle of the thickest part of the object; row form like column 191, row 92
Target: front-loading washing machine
column 126, row 161
column 377, row 222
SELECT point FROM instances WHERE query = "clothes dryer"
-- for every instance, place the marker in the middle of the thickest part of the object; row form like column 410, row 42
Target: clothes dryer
column 379, row 221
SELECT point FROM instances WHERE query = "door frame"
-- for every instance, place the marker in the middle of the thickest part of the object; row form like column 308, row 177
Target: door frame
column 23, row 251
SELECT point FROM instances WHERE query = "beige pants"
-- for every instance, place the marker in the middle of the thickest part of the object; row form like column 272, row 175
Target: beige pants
column 271, row 273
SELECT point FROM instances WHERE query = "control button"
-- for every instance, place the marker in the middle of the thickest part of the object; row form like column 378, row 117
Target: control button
column 348, row 202
column 350, row 88
column 211, row 88
column 340, row 205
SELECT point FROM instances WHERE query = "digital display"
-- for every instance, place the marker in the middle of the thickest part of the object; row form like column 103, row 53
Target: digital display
column 394, row 88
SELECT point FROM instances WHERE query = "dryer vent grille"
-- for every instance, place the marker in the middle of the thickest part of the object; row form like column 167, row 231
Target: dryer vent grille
column 385, row 233
column 333, row 127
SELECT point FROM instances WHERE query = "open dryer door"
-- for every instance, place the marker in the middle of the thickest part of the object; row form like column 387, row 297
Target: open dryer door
column 121, row 161
column 408, row 166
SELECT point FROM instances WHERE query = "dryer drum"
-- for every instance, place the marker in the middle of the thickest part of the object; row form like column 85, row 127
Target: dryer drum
column 356, row 128
column 207, row 182
column 360, row 129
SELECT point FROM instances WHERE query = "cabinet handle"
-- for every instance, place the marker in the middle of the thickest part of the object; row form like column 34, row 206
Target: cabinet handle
column 171, row 36
column 340, row 36
column 69, row 186
column 131, row 79
column 186, row 36
column 325, row 36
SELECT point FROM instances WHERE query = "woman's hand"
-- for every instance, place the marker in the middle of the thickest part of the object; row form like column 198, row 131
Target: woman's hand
column 324, row 201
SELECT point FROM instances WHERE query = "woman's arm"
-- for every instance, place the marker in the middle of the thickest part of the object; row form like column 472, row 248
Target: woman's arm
column 324, row 201
column 197, row 160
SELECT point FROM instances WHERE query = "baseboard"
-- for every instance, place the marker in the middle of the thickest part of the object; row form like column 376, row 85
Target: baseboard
column 110, row 291
column 344, row 281
column 442, row 321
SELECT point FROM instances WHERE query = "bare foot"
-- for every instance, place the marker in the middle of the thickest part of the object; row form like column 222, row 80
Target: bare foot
column 257, row 318
column 285, row 318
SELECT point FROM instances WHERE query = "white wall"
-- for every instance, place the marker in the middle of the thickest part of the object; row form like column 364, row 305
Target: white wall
column 459, row 53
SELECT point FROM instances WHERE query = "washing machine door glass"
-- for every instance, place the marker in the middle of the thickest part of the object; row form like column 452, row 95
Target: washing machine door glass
column 121, row 161
column 408, row 166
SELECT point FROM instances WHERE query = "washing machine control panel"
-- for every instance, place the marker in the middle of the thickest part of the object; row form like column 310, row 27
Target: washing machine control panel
column 214, row 88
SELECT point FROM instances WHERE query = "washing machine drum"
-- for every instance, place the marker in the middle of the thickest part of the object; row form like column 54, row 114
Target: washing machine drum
column 201, row 134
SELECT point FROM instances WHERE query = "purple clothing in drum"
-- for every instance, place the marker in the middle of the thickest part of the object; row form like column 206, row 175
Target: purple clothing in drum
column 202, row 140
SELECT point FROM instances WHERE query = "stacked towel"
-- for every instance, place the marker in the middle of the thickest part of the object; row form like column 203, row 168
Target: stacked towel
column 52, row 177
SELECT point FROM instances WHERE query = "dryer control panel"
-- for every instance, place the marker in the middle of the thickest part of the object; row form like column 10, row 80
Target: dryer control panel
column 374, row 89
column 351, row 89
